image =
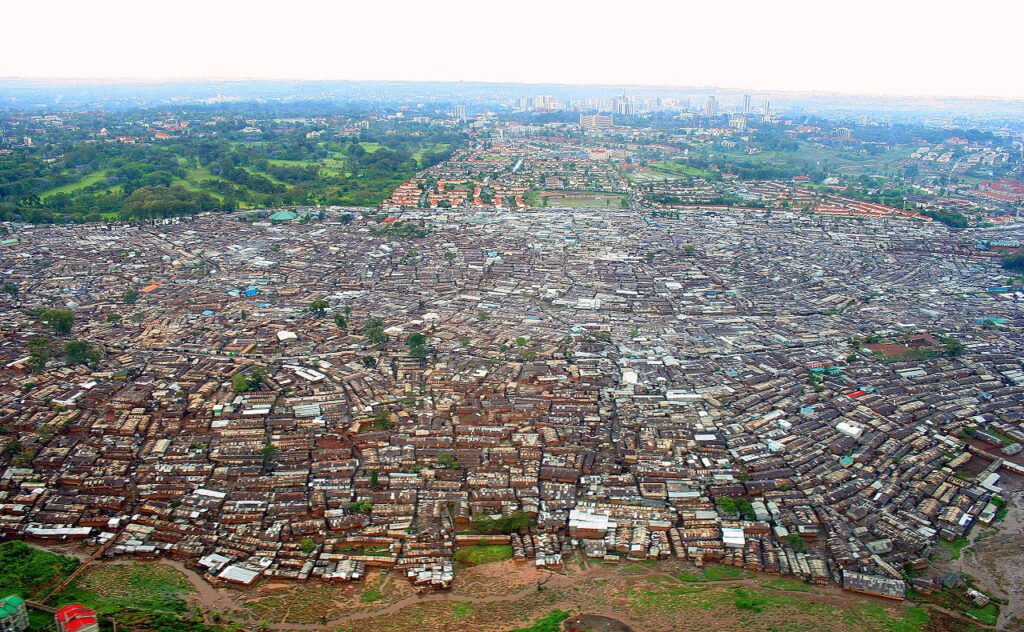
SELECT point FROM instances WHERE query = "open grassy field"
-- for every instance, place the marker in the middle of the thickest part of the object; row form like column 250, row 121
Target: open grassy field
column 807, row 153
column 482, row 554
column 191, row 185
column 112, row 588
column 418, row 154
column 680, row 169
column 85, row 181
column 575, row 199
column 492, row 594
column 658, row 597
column 293, row 163
column 642, row 176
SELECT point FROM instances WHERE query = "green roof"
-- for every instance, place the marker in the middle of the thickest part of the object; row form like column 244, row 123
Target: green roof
column 283, row 216
column 9, row 605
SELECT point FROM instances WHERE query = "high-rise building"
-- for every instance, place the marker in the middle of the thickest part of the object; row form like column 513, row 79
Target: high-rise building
column 766, row 109
column 624, row 105
column 13, row 615
column 596, row 121
column 460, row 112
column 76, row 618
column 711, row 106
column 746, row 104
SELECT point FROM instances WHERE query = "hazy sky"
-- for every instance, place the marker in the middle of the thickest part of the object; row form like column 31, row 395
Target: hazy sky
column 903, row 47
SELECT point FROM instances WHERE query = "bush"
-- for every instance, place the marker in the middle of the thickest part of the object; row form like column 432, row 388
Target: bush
column 166, row 201
column 515, row 521
column 28, row 572
column 551, row 622
column 1014, row 263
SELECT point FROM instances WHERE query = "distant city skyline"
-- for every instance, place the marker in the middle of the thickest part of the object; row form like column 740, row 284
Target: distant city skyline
column 909, row 48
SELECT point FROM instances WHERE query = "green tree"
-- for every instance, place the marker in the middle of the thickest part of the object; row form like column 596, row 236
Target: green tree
column 81, row 352
column 796, row 541
column 269, row 454
column 130, row 296
column 374, row 330
column 1014, row 263
column 59, row 319
column 382, row 420
column 512, row 523
column 40, row 350
column 448, row 460
column 240, row 383
column 307, row 545
column 360, row 507
column 953, row 346
column 12, row 448
column 258, row 376
column 418, row 347
column 9, row 289
column 319, row 307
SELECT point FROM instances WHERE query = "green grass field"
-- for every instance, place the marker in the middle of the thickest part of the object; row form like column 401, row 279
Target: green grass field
column 192, row 186
column 642, row 176
column 418, row 154
column 482, row 554
column 806, row 153
column 112, row 588
column 954, row 547
column 85, row 181
column 574, row 199
column 680, row 169
column 293, row 163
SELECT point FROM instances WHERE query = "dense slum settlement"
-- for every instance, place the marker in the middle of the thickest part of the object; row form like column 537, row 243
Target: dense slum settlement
column 303, row 396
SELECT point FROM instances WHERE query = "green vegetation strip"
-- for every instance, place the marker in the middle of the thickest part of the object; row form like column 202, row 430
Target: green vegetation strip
column 551, row 622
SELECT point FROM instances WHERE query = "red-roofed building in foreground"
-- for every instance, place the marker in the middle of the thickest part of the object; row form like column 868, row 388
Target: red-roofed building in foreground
column 76, row 618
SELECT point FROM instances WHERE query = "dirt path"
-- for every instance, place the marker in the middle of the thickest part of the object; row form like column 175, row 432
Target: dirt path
column 995, row 557
column 997, row 561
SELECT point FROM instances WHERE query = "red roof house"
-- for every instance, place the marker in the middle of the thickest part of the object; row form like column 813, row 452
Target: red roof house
column 76, row 618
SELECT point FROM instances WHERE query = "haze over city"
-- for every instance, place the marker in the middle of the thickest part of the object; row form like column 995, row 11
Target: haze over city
column 913, row 47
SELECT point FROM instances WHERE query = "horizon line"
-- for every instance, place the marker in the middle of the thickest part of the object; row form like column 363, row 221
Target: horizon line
column 196, row 79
